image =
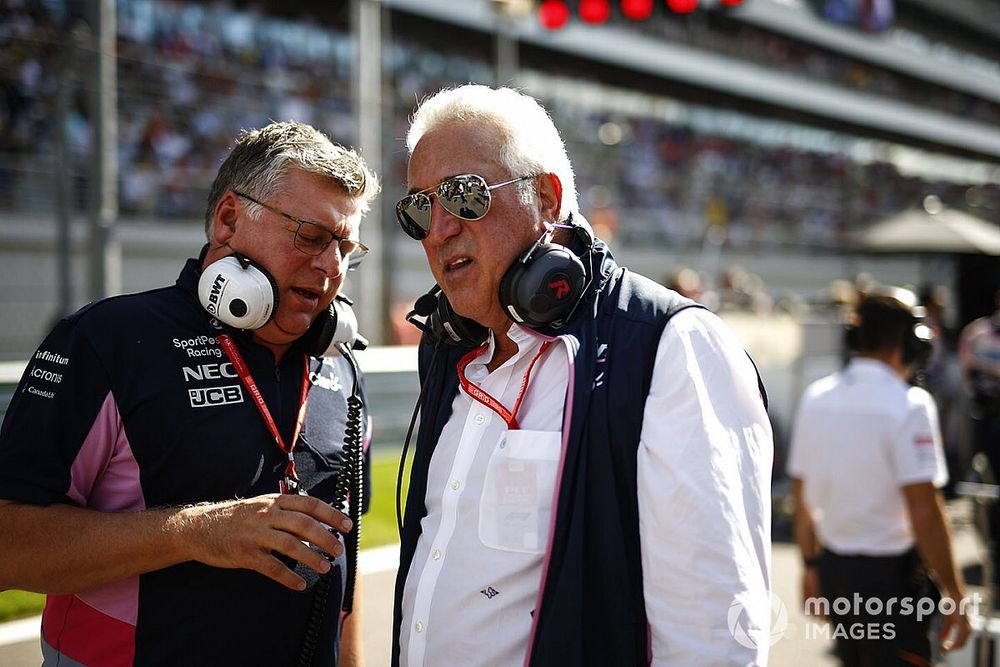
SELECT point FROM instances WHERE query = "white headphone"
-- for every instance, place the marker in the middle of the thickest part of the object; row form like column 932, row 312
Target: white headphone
column 239, row 292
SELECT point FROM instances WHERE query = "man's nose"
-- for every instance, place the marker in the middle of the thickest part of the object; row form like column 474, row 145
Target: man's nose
column 444, row 225
column 330, row 261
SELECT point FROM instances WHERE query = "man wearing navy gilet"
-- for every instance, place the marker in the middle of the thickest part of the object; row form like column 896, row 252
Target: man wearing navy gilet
column 590, row 483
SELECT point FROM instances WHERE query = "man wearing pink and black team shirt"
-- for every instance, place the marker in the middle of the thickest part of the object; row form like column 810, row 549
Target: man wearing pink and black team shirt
column 866, row 463
column 139, row 479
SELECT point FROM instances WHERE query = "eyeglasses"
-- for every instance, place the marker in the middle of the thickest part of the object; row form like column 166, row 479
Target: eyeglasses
column 466, row 196
column 313, row 239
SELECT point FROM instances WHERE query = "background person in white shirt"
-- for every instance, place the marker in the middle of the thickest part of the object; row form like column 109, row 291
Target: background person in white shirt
column 597, row 491
column 866, row 465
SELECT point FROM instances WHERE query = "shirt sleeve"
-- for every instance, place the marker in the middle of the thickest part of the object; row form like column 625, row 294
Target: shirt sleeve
column 55, row 411
column 704, row 464
column 917, row 452
column 798, row 443
column 805, row 431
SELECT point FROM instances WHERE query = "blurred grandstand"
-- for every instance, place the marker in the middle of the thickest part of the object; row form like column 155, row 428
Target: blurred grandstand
column 761, row 135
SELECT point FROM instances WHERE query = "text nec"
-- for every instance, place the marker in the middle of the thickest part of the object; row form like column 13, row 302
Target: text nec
column 209, row 372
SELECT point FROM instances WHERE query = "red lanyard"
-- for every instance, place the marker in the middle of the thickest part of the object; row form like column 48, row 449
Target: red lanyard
column 291, row 481
column 473, row 390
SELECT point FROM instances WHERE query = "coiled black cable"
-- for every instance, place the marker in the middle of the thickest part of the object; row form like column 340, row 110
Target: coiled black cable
column 314, row 623
column 349, row 485
column 355, row 434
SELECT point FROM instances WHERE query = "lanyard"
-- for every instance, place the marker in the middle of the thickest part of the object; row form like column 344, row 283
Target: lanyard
column 473, row 390
column 291, row 481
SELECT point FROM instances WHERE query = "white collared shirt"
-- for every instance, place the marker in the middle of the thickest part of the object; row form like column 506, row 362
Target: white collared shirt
column 864, row 428
column 704, row 501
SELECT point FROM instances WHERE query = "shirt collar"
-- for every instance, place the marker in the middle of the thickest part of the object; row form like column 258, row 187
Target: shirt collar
column 526, row 339
column 872, row 367
column 188, row 279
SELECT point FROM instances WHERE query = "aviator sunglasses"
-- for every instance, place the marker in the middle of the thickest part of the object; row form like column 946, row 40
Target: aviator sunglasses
column 466, row 196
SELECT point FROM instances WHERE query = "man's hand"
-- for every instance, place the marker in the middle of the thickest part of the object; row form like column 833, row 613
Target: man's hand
column 956, row 629
column 244, row 533
column 925, row 507
column 810, row 586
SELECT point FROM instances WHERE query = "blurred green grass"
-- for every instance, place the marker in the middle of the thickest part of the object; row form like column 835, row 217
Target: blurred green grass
column 16, row 604
column 378, row 528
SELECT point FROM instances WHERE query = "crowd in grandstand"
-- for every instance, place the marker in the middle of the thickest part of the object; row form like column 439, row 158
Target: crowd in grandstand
column 191, row 74
column 748, row 43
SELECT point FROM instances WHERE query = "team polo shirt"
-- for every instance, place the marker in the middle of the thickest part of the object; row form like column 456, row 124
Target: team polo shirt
column 859, row 437
column 131, row 404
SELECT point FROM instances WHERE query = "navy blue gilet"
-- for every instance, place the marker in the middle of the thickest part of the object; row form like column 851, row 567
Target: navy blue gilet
column 592, row 610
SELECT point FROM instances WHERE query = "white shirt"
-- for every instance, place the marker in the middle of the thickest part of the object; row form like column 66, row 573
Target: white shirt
column 860, row 436
column 704, row 464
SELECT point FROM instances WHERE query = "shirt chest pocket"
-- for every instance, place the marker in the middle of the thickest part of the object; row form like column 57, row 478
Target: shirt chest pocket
column 516, row 502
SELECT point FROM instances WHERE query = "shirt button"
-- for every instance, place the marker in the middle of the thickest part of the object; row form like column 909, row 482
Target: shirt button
column 418, row 626
column 455, row 484
column 436, row 554
column 480, row 419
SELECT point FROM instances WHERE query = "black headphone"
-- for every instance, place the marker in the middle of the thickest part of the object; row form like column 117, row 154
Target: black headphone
column 542, row 288
column 242, row 294
column 917, row 342
column 441, row 323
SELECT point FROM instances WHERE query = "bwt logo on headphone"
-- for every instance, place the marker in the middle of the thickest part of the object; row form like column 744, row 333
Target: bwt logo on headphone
column 237, row 307
column 215, row 294
column 239, row 292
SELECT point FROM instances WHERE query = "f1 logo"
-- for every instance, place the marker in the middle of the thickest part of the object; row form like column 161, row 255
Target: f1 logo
column 560, row 288
column 209, row 396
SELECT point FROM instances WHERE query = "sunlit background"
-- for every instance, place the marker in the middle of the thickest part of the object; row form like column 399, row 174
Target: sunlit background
column 769, row 157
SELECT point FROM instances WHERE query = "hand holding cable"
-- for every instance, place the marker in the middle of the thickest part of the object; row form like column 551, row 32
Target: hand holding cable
column 247, row 533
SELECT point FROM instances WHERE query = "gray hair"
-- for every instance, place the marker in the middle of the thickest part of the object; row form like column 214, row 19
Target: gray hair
column 529, row 140
column 260, row 159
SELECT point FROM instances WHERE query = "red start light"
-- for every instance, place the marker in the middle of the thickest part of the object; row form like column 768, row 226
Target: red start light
column 594, row 11
column 553, row 14
column 637, row 10
column 730, row 3
column 682, row 6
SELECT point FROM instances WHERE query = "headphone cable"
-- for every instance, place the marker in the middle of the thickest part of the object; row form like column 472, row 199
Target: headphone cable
column 406, row 443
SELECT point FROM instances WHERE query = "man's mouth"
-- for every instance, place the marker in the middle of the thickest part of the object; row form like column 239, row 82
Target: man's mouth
column 305, row 293
column 458, row 263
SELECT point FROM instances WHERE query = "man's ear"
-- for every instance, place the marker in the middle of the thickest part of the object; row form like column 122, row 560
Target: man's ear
column 227, row 212
column 550, row 196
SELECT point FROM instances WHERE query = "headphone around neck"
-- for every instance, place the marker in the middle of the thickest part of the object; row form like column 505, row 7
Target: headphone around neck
column 542, row 288
column 240, row 293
